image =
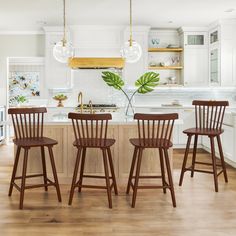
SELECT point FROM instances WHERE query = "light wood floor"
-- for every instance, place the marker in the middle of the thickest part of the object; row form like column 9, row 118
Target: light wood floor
column 200, row 211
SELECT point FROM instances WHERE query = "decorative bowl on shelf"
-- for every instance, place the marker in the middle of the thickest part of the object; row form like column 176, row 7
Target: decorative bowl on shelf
column 60, row 98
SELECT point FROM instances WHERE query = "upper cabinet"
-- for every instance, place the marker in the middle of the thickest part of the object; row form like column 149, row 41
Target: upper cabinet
column 214, row 36
column 222, row 54
column 195, row 56
column 195, row 39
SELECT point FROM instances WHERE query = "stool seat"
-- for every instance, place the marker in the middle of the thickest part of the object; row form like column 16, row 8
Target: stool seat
column 207, row 132
column 151, row 143
column 94, row 143
column 35, row 142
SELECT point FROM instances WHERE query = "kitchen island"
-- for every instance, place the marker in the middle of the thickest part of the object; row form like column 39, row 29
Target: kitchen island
column 65, row 152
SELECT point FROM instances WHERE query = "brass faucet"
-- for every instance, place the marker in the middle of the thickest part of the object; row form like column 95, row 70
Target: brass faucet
column 80, row 101
column 91, row 107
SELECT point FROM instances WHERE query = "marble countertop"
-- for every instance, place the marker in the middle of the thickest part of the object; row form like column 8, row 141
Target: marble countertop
column 125, row 121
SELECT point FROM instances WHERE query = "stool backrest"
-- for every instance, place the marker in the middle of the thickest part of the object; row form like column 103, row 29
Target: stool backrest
column 27, row 122
column 209, row 114
column 90, row 126
column 152, row 127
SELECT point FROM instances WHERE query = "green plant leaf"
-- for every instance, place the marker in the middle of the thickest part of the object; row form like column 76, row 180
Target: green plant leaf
column 113, row 80
column 147, row 82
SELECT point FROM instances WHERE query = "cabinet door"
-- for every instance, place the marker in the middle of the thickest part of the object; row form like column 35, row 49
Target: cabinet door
column 195, row 39
column 228, row 63
column 214, row 36
column 214, row 66
column 196, row 67
column 228, row 142
column 188, row 117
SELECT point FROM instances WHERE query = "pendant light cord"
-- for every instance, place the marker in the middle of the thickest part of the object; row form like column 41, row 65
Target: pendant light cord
column 130, row 22
column 64, row 22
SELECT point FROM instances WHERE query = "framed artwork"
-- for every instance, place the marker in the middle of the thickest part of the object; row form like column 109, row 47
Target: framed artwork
column 23, row 84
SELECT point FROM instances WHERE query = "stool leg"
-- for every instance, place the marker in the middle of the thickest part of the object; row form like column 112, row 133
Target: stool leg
column 214, row 163
column 132, row 169
column 22, row 191
column 112, row 170
column 137, row 177
column 194, row 154
column 44, row 168
column 162, row 170
column 222, row 158
column 54, row 173
column 14, row 170
column 74, row 176
column 107, row 177
column 170, row 178
column 82, row 169
column 185, row 160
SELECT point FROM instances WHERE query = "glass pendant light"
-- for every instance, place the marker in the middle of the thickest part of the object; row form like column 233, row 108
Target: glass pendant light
column 131, row 50
column 63, row 50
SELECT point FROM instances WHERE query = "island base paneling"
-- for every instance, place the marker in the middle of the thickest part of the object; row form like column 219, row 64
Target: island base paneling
column 65, row 154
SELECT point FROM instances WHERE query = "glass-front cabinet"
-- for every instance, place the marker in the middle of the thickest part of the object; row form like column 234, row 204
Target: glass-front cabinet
column 195, row 39
column 214, row 66
column 214, row 57
column 214, row 36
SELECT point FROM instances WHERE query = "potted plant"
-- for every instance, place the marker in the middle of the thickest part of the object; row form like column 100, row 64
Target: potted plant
column 145, row 84
column 20, row 99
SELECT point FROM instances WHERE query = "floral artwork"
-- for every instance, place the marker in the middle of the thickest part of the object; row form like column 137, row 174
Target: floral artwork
column 23, row 84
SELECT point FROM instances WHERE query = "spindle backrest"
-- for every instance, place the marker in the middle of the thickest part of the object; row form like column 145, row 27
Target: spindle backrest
column 27, row 122
column 209, row 114
column 90, row 127
column 154, row 127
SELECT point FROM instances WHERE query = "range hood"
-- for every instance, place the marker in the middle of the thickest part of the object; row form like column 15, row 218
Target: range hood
column 96, row 62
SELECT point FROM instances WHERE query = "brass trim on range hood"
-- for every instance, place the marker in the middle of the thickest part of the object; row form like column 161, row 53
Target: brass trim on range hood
column 96, row 62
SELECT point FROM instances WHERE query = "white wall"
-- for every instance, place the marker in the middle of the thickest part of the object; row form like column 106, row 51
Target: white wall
column 17, row 46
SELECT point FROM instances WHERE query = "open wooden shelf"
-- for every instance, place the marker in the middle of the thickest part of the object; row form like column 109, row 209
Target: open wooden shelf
column 165, row 67
column 165, row 49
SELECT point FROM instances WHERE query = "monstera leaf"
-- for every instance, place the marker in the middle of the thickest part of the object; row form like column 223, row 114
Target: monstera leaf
column 147, row 82
column 112, row 80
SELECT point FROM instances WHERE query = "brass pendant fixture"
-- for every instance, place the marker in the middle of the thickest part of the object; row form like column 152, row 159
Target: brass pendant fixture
column 131, row 50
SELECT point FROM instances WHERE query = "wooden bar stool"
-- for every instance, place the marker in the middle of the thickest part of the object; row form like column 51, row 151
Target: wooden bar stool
column 209, row 117
column 28, row 128
column 91, row 132
column 154, row 131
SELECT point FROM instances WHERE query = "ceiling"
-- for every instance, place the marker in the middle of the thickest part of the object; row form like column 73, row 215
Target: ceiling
column 32, row 15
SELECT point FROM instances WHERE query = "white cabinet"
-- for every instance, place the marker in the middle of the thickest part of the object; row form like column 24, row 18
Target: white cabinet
column 222, row 54
column 187, row 116
column 228, row 63
column 58, row 75
column 228, row 142
column 214, row 66
column 195, row 56
column 195, row 67
column 195, row 39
